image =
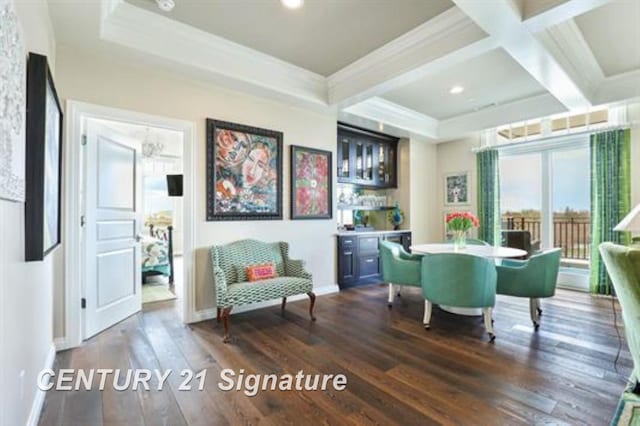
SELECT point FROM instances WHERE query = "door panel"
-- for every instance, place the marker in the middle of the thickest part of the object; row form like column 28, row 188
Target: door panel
column 113, row 212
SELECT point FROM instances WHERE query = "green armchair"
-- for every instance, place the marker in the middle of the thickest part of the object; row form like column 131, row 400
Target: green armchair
column 461, row 280
column 233, row 288
column 534, row 278
column 399, row 267
column 623, row 266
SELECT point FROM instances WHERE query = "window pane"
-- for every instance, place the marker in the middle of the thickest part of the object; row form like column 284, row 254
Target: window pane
column 571, row 202
column 521, row 193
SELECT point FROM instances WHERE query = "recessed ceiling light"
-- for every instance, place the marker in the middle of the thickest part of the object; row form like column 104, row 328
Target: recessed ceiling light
column 456, row 90
column 292, row 4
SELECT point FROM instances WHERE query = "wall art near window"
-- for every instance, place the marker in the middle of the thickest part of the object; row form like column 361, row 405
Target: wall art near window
column 244, row 172
column 12, row 106
column 311, row 192
column 456, row 189
column 44, row 161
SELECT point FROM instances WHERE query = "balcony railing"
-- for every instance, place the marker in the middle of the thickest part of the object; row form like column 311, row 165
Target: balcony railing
column 572, row 235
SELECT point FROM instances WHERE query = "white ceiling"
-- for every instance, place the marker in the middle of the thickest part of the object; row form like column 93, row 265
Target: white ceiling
column 382, row 61
column 488, row 80
column 615, row 44
column 323, row 36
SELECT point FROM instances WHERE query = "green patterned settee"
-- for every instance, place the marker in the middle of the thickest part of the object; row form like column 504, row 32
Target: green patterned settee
column 233, row 288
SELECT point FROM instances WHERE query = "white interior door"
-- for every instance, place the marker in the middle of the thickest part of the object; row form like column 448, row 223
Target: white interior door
column 113, row 221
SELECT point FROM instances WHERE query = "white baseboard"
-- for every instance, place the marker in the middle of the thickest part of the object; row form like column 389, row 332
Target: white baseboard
column 210, row 313
column 38, row 399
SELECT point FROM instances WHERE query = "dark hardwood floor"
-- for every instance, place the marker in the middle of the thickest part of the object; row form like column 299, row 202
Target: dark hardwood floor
column 397, row 372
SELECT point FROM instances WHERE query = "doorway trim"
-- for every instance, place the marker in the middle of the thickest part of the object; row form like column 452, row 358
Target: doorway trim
column 76, row 113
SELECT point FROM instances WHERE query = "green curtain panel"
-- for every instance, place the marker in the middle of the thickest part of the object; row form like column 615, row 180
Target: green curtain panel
column 610, row 198
column 488, row 196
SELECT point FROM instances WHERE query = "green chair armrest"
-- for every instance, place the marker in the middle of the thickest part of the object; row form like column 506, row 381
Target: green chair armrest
column 410, row 256
column 221, row 286
column 296, row 268
column 510, row 263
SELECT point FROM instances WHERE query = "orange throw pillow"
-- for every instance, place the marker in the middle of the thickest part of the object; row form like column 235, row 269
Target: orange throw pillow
column 261, row 272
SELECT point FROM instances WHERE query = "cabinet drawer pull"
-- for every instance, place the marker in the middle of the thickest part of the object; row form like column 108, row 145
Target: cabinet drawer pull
column 348, row 253
column 345, row 242
column 369, row 260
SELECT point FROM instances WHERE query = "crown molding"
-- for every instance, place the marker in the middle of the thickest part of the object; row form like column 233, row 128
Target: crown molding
column 566, row 43
column 387, row 112
column 520, row 110
column 139, row 29
column 443, row 41
column 561, row 13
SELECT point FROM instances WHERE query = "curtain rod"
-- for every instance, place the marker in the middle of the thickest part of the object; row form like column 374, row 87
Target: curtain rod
column 548, row 138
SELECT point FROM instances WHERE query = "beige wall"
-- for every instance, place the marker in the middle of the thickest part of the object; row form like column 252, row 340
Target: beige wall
column 26, row 289
column 104, row 81
column 423, row 180
column 454, row 157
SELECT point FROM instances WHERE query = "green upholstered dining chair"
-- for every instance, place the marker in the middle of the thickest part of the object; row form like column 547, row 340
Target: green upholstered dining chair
column 399, row 268
column 472, row 242
column 623, row 266
column 460, row 280
column 534, row 278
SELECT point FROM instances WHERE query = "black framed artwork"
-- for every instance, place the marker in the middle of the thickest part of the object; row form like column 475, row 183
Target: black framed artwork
column 311, row 184
column 44, row 161
column 244, row 172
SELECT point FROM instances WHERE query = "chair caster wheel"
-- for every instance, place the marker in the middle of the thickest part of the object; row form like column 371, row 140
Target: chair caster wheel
column 492, row 337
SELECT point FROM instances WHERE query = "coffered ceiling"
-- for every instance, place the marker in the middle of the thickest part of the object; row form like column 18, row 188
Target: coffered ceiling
column 323, row 36
column 384, row 61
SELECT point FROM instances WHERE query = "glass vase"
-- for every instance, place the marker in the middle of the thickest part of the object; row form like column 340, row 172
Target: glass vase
column 459, row 240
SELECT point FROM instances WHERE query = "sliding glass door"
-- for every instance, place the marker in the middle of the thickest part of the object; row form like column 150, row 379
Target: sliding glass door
column 545, row 189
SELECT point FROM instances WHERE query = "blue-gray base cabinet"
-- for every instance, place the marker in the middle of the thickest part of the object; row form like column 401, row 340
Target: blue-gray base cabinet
column 359, row 257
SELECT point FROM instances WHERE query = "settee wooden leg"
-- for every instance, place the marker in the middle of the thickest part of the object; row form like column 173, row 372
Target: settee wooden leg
column 284, row 303
column 226, row 323
column 312, row 301
column 218, row 315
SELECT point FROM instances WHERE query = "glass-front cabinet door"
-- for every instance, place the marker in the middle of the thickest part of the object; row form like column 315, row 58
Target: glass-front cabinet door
column 344, row 163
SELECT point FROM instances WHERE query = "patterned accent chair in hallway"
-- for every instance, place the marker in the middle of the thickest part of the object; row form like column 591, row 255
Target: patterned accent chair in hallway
column 233, row 287
column 534, row 278
column 460, row 280
column 399, row 268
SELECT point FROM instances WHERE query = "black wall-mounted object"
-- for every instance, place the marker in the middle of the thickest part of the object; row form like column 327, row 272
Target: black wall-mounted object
column 43, row 161
column 174, row 185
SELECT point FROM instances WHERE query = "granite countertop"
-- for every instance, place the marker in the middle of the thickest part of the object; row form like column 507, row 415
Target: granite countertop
column 343, row 233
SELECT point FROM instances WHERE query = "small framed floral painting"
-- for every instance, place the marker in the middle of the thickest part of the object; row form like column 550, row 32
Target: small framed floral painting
column 456, row 189
column 244, row 172
column 311, row 190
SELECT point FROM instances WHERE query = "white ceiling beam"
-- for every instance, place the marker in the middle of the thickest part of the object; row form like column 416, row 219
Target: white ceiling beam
column 617, row 87
column 567, row 45
column 446, row 40
column 502, row 20
column 256, row 72
column 525, row 109
column 381, row 110
column 561, row 13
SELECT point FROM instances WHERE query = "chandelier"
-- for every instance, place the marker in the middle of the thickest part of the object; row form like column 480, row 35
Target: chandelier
column 151, row 147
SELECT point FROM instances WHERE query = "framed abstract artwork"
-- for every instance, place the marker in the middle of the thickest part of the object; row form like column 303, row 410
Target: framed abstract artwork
column 244, row 172
column 12, row 106
column 456, row 189
column 44, row 161
column 311, row 190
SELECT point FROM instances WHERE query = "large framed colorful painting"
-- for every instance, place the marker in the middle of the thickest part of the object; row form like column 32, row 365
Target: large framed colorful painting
column 12, row 106
column 244, row 172
column 311, row 192
column 44, row 161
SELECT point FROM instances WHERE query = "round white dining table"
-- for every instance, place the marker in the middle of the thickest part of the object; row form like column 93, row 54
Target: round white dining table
column 491, row 252
column 476, row 250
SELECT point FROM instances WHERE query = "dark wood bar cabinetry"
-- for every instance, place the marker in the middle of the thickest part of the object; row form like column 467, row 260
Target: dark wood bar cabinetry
column 359, row 256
